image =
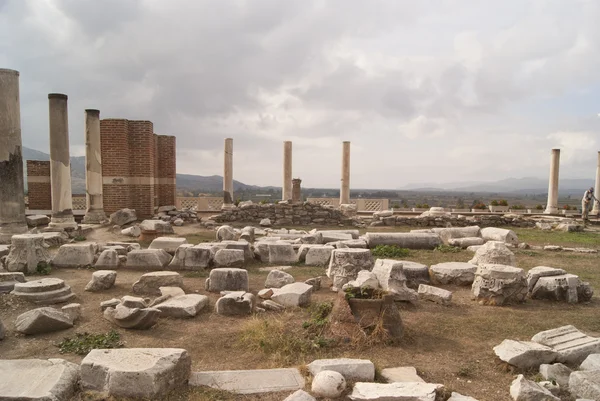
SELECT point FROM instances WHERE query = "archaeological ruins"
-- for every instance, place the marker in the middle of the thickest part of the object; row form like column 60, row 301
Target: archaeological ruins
column 140, row 294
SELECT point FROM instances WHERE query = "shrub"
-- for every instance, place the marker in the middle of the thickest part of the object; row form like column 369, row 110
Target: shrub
column 425, row 206
column 539, row 207
column 446, row 249
column 517, row 207
column 363, row 293
column 395, row 205
column 389, row 251
column 79, row 238
column 43, row 269
column 479, row 205
column 83, row 343
column 494, row 202
column 503, row 202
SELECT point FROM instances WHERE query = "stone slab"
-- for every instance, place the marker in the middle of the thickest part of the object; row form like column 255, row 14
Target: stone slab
column 572, row 345
column 351, row 369
column 401, row 374
column 250, row 381
column 411, row 391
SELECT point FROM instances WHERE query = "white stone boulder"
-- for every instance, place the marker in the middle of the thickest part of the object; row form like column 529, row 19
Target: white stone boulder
column 229, row 258
column 101, row 280
column 135, row 372
column 564, row 287
column 38, row 379
column 499, row 234
column 75, row 255
column 457, row 273
column 147, row 259
column 278, row 278
column 227, row 279
column 328, row 383
column 572, row 345
column 499, row 285
column 134, row 317
column 37, row 220
column 26, row 252
column 494, row 252
column 158, row 226
column 122, row 217
column 319, row 255
column 225, row 233
column 265, row 223
column 109, row 258
column 150, row 283
column 183, row 306
column 585, row 384
column 282, row 254
column 364, row 279
column 190, row 257
column 390, row 274
column 434, row 294
column 415, row 273
column 42, row 320
column 242, row 246
column 238, row 303
column 168, row 244
column 448, row 233
column 556, row 372
column 535, row 273
column 300, row 395
column 293, row 295
column 133, row 231
column 401, row 374
column 345, row 264
column 459, row 397
column 408, row 391
column 525, row 354
column 466, row 242
column 72, row 310
column 592, row 362
column 522, row 389
column 351, row 369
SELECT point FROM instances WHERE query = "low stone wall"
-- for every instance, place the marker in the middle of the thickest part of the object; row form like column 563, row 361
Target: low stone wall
column 281, row 214
column 455, row 221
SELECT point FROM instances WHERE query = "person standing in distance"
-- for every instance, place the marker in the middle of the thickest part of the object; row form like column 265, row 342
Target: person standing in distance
column 586, row 202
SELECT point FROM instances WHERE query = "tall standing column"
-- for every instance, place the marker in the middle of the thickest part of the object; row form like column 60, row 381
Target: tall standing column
column 552, row 206
column 228, row 173
column 60, row 164
column 596, row 209
column 12, row 201
column 345, row 189
column 93, row 169
column 287, row 171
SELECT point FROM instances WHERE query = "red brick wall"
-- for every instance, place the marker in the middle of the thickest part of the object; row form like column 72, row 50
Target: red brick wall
column 114, row 146
column 167, row 169
column 39, row 193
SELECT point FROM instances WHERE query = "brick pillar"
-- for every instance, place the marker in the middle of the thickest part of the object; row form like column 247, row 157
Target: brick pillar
column 114, row 142
column 38, row 185
column 167, row 170
column 142, row 152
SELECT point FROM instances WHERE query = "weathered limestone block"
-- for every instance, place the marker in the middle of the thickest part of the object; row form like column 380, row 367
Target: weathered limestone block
column 337, row 235
column 261, row 251
column 499, row 285
column 390, row 274
column 434, row 294
column 351, row 243
column 466, row 242
column 168, row 244
column 148, row 373
column 522, row 389
column 133, row 231
column 133, row 302
column 300, row 395
column 319, row 256
column 37, row 220
column 225, row 233
column 235, row 304
column 302, row 250
column 351, row 369
column 247, row 234
column 282, row 253
column 459, row 397
column 147, row 259
column 150, row 283
column 401, row 374
column 161, row 227
column 38, row 379
column 8, row 281
column 229, row 258
column 592, row 362
column 494, row 252
column 556, row 372
column 75, row 255
column 242, row 246
column 364, row 279
column 42, row 320
column 345, row 264
column 316, row 238
column 101, row 280
column 457, row 273
column 26, row 252
column 525, row 354
column 111, row 303
column 499, row 234
column 446, row 234
column 73, row 311
column 329, row 384
column 416, row 273
column 585, row 384
column 109, row 258
column 227, row 279
column 557, row 288
column 541, row 271
column 394, row 391
column 267, row 304
column 190, row 257
column 183, row 306
column 404, row 240
column 44, row 291
column 278, row 278
column 265, row 222
column 572, row 345
column 122, row 217
column 132, row 318
column 293, row 295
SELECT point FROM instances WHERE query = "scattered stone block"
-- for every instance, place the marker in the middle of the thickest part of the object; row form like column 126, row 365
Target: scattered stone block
column 351, row 369
column 585, row 384
column 229, row 258
column 572, row 345
column 133, row 302
column 101, row 280
column 2, row 331
column 364, row 279
column 390, row 274
column 159, row 226
column 328, row 383
column 302, row 250
column 75, row 255
column 55, row 238
column 282, row 253
column 459, row 397
column 556, row 372
column 592, row 362
column 278, row 278
column 404, row 240
column 554, row 248
column 250, row 381
column 235, row 304
column 73, row 311
column 394, row 391
column 132, row 318
column 558, row 288
column 191, row 257
column 133, row 231
column 315, row 282
column 319, row 255
column 265, row 223
column 535, row 273
column 494, row 252
column 38, row 379
column 345, row 264
column 171, row 291
column 227, row 279
column 225, row 233
column 499, row 234
column 37, row 220
column 26, row 252
column 522, row 389
column 109, row 258
column 293, row 295
column 150, row 283
column 167, row 244
column 401, row 374
column 42, row 320
column 466, row 242
column 525, row 354
column 8, row 281
column 242, row 246
column 499, row 285
column 265, row 293
column 45, row 291
column 415, row 273
column 122, row 217
column 135, row 372
column 147, row 259
column 111, row 303
column 351, row 243
column 457, row 273
column 300, row 395
column 434, row 294
column 272, row 305
column 183, row 306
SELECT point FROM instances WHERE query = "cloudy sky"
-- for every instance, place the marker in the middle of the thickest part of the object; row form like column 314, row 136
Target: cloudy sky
column 426, row 91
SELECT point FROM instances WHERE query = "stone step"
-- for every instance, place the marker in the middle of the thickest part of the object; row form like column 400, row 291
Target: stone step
column 250, row 381
column 41, row 285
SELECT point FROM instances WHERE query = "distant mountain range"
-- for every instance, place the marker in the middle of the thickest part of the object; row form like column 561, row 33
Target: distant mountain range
column 214, row 183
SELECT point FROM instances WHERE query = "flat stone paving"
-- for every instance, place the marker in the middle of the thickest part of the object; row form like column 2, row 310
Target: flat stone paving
column 250, row 381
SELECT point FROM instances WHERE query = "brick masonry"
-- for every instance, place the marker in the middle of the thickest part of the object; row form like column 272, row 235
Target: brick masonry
column 38, row 185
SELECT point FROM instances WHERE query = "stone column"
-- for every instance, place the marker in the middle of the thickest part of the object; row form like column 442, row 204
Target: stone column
column 60, row 164
column 228, row 173
column 287, row 171
column 596, row 209
column 552, row 206
column 93, row 169
column 296, row 190
column 12, row 202
column 345, row 189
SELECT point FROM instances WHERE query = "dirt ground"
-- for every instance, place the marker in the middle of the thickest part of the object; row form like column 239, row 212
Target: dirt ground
column 449, row 345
